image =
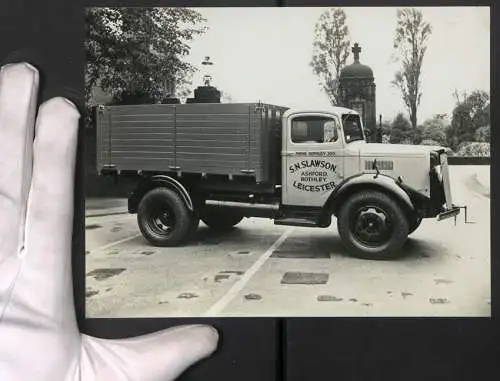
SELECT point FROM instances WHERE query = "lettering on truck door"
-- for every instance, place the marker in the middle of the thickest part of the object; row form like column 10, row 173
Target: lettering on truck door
column 313, row 157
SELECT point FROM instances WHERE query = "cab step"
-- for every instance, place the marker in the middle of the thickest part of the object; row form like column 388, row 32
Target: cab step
column 296, row 222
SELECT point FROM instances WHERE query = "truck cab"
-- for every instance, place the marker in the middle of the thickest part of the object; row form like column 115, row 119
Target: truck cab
column 226, row 162
column 376, row 191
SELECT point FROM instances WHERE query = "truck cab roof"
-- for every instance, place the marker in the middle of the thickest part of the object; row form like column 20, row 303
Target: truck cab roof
column 333, row 109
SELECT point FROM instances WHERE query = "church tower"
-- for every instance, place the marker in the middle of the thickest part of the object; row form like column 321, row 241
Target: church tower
column 357, row 92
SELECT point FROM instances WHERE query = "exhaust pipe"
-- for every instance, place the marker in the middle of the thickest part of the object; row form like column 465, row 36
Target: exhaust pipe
column 247, row 209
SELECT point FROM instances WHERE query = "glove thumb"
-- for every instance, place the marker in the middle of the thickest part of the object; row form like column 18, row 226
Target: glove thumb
column 160, row 356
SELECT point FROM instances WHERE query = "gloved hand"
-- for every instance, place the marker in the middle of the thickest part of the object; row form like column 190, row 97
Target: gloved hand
column 39, row 338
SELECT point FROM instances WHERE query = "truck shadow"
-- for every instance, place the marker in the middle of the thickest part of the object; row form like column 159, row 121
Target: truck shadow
column 331, row 246
column 302, row 245
column 207, row 236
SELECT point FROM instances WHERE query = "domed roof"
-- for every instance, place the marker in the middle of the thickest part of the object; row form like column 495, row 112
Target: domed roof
column 356, row 70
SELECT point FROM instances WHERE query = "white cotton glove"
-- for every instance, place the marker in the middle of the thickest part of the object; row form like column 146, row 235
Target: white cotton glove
column 39, row 338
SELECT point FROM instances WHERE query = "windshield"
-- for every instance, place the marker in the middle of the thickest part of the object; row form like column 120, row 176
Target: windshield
column 352, row 128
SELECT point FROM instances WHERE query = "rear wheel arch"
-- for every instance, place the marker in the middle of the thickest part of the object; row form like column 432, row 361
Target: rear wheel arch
column 163, row 181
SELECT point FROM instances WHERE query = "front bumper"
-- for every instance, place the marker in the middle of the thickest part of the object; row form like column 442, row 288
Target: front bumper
column 450, row 209
column 452, row 212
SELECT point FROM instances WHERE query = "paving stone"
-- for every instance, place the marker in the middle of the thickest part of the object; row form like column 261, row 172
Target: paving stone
column 187, row 295
column 438, row 301
column 329, row 298
column 304, row 278
column 100, row 274
column 92, row 227
column 253, row 297
column 218, row 278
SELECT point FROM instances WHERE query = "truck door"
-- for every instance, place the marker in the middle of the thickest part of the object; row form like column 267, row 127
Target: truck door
column 313, row 158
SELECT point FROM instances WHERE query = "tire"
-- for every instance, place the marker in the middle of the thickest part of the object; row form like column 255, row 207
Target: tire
column 372, row 226
column 220, row 220
column 164, row 219
column 414, row 225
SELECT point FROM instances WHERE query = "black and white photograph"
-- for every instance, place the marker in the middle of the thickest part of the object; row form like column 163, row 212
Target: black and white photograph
column 253, row 162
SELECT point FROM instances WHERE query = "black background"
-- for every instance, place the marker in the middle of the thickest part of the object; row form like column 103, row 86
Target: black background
column 50, row 34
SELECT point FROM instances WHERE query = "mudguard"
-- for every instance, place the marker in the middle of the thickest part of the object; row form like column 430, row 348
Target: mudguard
column 368, row 181
column 172, row 183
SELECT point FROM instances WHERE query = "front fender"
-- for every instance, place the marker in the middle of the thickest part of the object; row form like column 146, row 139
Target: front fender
column 367, row 181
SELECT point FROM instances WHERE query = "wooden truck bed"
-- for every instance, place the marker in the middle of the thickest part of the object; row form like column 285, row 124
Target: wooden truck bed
column 211, row 139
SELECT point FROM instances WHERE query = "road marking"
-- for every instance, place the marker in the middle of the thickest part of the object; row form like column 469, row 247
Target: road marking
column 115, row 243
column 238, row 286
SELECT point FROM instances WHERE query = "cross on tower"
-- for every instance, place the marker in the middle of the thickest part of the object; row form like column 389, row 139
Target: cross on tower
column 356, row 49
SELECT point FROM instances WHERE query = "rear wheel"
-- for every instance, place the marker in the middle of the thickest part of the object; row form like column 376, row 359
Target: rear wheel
column 372, row 225
column 164, row 219
column 220, row 219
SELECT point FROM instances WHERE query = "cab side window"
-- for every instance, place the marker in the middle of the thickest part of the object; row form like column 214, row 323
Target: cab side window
column 314, row 129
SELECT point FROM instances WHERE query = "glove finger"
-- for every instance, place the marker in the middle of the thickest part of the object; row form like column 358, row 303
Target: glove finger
column 161, row 356
column 18, row 98
column 49, row 216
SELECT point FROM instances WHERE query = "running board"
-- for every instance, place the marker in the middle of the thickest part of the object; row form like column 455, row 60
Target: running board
column 296, row 222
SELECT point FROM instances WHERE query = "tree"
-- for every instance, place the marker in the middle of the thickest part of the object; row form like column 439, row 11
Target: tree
column 330, row 51
column 401, row 130
column 434, row 129
column 137, row 54
column 471, row 113
column 412, row 33
column 483, row 134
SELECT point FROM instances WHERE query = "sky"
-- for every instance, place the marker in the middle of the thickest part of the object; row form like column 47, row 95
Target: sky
column 264, row 54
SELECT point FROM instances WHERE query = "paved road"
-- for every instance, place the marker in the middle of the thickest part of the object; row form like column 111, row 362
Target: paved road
column 260, row 269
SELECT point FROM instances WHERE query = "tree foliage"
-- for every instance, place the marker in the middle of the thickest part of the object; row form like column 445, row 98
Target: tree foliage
column 401, row 130
column 471, row 117
column 434, row 129
column 483, row 134
column 330, row 50
column 473, row 149
column 412, row 33
column 138, row 54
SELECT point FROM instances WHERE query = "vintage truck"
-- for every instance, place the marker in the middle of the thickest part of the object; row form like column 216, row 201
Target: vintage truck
column 220, row 163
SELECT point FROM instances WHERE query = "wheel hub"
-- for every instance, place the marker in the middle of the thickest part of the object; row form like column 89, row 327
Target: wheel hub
column 371, row 225
column 164, row 221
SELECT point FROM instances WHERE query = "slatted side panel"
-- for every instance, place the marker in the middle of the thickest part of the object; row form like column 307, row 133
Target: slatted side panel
column 142, row 137
column 213, row 138
column 102, row 139
column 198, row 138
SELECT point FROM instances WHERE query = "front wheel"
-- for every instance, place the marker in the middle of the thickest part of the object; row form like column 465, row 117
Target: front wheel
column 372, row 225
column 415, row 224
column 164, row 219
